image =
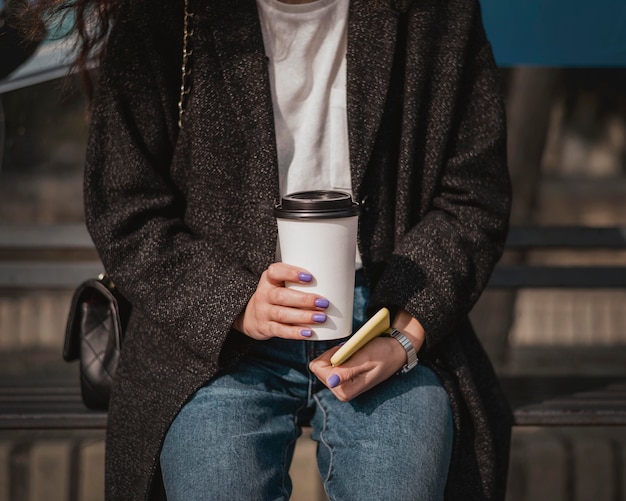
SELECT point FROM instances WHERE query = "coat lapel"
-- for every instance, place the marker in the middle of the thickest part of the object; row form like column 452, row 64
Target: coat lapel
column 371, row 44
column 239, row 46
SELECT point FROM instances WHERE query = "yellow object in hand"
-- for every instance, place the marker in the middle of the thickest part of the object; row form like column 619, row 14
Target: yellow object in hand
column 373, row 328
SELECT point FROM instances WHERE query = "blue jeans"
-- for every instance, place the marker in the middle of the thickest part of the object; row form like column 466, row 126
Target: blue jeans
column 235, row 438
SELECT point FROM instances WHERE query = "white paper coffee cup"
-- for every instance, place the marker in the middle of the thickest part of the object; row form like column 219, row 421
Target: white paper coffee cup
column 317, row 231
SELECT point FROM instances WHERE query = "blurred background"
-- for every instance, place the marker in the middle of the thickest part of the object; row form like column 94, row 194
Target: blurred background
column 563, row 69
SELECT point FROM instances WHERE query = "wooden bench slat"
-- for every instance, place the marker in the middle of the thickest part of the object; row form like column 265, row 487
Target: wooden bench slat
column 600, row 402
column 46, row 407
column 570, row 277
column 545, row 416
column 45, row 236
column 70, row 419
column 8, row 400
column 75, row 235
column 570, row 237
column 28, row 391
column 67, row 275
column 46, row 275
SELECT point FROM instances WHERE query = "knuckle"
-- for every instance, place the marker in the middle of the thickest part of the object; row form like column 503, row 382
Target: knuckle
column 278, row 295
column 264, row 276
column 305, row 301
column 278, row 314
column 272, row 329
column 273, row 271
column 261, row 310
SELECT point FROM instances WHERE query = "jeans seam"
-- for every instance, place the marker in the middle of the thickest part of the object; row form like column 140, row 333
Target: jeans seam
column 308, row 355
column 325, row 443
column 285, row 468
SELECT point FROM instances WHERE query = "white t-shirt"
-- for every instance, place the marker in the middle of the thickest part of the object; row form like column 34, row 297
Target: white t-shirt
column 306, row 47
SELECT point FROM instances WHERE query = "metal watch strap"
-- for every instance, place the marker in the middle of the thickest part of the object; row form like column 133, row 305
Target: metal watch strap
column 411, row 355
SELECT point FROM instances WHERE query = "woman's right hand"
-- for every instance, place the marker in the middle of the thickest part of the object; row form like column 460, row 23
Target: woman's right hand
column 277, row 311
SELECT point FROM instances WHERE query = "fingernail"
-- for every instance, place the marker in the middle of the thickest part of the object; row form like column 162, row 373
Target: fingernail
column 333, row 380
column 319, row 317
column 322, row 303
column 306, row 332
column 305, row 277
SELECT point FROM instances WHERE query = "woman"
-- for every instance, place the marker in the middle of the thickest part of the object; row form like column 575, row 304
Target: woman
column 216, row 374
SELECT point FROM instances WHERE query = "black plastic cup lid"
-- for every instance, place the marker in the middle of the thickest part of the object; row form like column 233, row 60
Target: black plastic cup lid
column 317, row 204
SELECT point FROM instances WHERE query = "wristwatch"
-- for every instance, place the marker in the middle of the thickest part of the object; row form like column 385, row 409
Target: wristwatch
column 411, row 355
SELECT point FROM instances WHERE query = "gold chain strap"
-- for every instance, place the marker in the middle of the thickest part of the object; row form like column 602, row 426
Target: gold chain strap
column 185, row 86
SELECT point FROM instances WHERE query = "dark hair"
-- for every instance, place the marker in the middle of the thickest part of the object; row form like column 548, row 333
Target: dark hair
column 91, row 21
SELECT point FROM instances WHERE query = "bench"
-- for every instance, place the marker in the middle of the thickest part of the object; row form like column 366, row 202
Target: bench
column 49, row 441
column 60, row 257
column 569, row 400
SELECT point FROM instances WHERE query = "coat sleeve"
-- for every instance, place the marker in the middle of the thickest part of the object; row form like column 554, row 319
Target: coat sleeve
column 188, row 286
column 442, row 262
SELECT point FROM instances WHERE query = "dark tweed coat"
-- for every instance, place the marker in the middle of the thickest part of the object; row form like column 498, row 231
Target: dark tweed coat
column 184, row 224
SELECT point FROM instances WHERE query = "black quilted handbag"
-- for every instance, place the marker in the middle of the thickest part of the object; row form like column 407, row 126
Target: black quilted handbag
column 94, row 334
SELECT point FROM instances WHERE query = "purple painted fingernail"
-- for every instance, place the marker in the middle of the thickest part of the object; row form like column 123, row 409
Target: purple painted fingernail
column 333, row 380
column 322, row 303
column 306, row 332
column 305, row 277
column 319, row 317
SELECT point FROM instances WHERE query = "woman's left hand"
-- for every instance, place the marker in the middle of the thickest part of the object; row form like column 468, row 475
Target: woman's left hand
column 377, row 361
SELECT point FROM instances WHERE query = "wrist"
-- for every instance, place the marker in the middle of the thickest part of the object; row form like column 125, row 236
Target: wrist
column 410, row 327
